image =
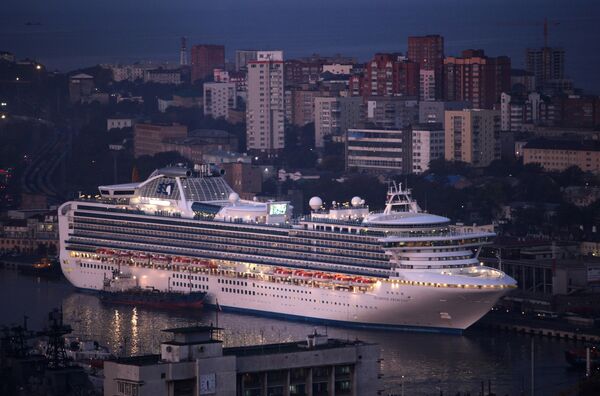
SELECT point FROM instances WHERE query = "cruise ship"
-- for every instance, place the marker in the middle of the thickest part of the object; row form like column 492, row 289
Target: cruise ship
column 186, row 229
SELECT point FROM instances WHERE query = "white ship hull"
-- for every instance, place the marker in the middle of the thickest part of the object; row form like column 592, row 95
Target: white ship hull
column 388, row 305
column 182, row 231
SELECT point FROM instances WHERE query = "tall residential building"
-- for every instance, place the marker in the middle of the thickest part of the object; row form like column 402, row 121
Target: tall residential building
column 300, row 105
column 427, row 85
column 205, row 58
column 428, row 53
column 242, row 57
column 379, row 150
column 390, row 75
column 391, row 112
column 472, row 136
column 219, row 98
column 265, row 107
column 546, row 64
column 298, row 72
column 334, row 116
column 476, row 78
column 433, row 112
column 428, row 143
column 148, row 138
column 516, row 111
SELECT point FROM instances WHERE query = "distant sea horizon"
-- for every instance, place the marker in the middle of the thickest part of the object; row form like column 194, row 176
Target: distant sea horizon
column 68, row 34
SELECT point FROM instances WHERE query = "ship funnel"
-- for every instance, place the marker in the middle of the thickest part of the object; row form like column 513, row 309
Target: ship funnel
column 172, row 171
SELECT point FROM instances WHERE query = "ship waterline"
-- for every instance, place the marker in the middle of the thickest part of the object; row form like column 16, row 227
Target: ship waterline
column 186, row 231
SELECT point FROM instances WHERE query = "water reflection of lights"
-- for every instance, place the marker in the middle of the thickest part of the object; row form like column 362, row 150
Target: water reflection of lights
column 135, row 337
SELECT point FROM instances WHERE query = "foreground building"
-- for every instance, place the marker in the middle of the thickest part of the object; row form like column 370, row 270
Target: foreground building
column 472, row 136
column 194, row 362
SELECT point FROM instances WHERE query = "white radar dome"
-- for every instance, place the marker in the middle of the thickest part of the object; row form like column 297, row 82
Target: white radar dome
column 234, row 197
column 356, row 201
column 315, row 203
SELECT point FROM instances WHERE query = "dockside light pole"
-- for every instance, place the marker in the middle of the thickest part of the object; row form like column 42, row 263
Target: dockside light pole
column 532, row 367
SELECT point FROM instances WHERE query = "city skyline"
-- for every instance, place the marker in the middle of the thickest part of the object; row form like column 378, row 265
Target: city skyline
column 68, row 37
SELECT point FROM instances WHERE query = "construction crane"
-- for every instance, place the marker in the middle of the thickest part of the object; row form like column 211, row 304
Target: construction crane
column 546, row 23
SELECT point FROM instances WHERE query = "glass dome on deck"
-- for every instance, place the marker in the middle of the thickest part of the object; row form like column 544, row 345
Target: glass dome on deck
column 201, row 189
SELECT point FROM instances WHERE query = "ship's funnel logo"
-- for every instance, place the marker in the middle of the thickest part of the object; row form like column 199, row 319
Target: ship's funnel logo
column 165, row 188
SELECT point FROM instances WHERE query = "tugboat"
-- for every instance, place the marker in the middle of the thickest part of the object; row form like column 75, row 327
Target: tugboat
column 124, row 289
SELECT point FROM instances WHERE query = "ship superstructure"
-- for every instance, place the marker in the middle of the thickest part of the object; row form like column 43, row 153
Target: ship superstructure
column 187, row 230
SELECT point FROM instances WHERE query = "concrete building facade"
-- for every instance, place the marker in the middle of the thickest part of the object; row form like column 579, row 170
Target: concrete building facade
column 242, row 57
column 119, row 123
column 194, row 362
column 434, row 111
column 379, row 150
column 558, row 155
column 428, row 53
column 428, row 143
column 205, row 58
column 517, row 111
column 163, row 76
column 391, row 112
column 300, row 105
column 219, row 98
column 81, row 86
column 390, row 74
column 476, row 78
column 334, row 116
column 265, row 110
column 472, row 136
column 545, row 64
column 337, row 68
column 148, row 138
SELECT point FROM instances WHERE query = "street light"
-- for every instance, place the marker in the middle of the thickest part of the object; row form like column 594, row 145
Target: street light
column 402, row 393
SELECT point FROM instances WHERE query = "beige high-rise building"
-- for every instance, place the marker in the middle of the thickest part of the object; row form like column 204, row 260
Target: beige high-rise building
column 265, row 109
column 472, row 136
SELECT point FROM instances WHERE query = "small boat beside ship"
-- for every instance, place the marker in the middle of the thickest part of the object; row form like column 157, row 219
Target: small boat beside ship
column 124, row 289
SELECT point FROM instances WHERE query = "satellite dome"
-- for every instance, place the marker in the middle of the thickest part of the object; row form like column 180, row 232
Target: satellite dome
column 234, row 197
column 315, row 203
column 356, row 201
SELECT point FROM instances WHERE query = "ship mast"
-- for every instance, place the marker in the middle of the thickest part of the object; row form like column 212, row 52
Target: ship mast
column 399, row 198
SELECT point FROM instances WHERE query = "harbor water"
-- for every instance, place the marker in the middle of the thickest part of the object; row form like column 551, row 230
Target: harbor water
column 427, row 364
